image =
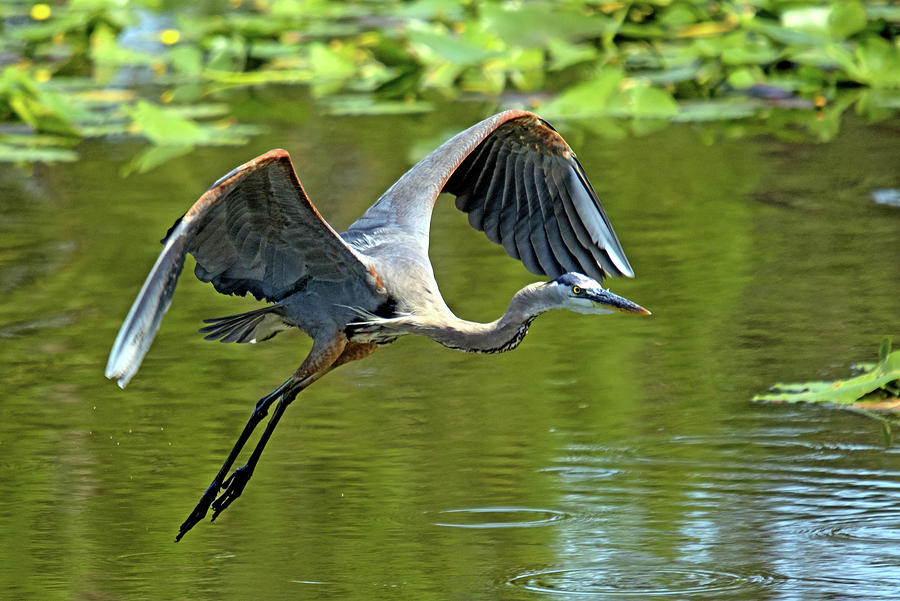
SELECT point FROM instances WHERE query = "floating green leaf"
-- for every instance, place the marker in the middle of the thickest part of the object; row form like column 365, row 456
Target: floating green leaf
column 643, row 63
column 35, row 104
column 534, row 24
column 643, row 101
column 330, row 67
column 846, row 18
column 164, row 127
column 12, row 153
column 875, row 390
column 449, row 47
column 878, row 62
column 565, row 54
column 172, row 127
column 588, row 98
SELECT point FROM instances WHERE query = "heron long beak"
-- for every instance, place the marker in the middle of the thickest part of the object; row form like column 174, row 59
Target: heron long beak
column 608, row 300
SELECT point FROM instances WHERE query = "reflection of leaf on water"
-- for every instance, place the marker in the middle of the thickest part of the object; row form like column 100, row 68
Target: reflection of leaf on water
column 875, row 390
column 717, row 110
column 359, row 104
column 154, row 157
column 28, row 153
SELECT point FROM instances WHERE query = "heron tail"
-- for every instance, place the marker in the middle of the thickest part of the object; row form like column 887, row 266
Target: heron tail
column 252, row 326
column 381, row 330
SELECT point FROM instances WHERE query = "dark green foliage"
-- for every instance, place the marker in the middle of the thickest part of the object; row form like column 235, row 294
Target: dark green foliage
column 616, row 63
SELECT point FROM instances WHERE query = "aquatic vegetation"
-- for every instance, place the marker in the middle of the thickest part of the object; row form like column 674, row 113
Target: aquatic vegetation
column 146, row 67
column 875, row 391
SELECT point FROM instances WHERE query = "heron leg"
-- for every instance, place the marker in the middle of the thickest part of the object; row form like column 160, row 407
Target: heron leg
column 238, row 479
column 322, row 359
column 235, row 483
column 259, row 412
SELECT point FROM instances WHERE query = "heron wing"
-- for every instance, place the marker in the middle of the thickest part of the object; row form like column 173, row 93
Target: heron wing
column 254, row 231
column 519, row 183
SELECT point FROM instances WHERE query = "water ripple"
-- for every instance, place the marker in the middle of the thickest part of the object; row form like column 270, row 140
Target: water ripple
column 639, row 581
column 883, row 527
column 501, row 517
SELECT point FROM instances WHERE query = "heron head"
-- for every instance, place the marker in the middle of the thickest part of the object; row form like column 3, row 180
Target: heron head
column 582, row 294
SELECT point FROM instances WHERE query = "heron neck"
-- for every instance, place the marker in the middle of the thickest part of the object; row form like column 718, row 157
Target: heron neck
column 498, row 336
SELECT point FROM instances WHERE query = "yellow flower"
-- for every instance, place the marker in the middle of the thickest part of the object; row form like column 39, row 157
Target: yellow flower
column 40, row 12
column 169, row 36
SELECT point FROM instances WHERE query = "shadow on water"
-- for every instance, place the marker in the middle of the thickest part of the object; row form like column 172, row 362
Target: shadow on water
column 606, row 458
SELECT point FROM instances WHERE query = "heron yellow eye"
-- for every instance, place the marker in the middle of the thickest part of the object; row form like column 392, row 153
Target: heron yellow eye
column 576, row 290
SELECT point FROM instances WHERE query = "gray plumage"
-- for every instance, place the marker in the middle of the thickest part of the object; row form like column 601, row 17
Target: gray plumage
column 255, row 231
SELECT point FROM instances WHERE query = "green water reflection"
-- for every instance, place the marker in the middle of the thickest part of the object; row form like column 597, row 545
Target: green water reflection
column 762, row 260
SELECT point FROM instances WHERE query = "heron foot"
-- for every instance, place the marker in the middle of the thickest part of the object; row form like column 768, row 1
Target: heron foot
column 234, row 486
column 200, row 510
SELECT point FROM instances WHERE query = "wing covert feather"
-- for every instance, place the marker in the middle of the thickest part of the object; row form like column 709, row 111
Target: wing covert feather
column 256, row 231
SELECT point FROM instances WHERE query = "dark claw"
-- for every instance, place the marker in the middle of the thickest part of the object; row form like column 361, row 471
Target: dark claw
column 200, row 510
column 234, row 486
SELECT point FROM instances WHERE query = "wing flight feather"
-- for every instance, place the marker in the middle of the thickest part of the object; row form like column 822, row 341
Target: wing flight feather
column 556, row 179
column 254, row 231
column 519, row 183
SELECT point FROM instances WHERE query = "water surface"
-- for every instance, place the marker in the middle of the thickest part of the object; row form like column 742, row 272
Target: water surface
column 608, row 457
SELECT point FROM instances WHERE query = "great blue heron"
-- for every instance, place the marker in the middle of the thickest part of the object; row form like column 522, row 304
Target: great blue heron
column 256, row 231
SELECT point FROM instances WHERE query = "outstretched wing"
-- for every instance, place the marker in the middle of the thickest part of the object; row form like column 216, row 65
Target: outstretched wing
column 254, row 231
column 521, row 185
column 525, row 189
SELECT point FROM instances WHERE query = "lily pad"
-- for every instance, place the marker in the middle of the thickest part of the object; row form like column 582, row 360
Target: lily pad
column 89, row 68
column 12, row 153
column 875, row 390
